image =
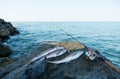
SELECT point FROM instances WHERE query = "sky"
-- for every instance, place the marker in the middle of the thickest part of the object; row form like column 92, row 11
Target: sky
column 60, row 10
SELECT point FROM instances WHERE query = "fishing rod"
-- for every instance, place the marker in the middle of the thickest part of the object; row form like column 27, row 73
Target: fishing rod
column 93, row 54
column 69, row 35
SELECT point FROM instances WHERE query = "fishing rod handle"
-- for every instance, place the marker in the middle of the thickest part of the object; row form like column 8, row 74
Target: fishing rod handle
column 109, row 64
column 112, row 66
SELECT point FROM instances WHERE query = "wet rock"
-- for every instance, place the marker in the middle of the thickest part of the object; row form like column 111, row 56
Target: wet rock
column 6, row 29
column 2, row 21
column 80, row 68
column 5, row 51
column 4, row 38
column 4, row 61
column 18, row 70
column 12, row 29
column 34, row 71
column 37, row 70
column 68, row 45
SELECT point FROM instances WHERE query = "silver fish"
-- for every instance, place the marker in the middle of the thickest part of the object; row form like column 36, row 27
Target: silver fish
column 69, row 58
column 56, row 53
column 50, row 53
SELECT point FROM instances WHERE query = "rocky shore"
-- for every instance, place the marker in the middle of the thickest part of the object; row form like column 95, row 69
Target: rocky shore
column 6, row 30
column 79, row 68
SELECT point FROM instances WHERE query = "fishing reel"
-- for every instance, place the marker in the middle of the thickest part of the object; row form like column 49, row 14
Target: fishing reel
column 91, row 54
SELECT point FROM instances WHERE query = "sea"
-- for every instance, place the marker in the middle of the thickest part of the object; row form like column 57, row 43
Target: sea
column 101, row 36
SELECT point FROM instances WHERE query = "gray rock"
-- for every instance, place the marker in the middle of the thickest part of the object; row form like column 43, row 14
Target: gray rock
column 36, row 70
column 4, row 61
column 4, row 31
column 2, row 21
column 17, row 70
column 5, row 51
column 28, row 72
column 12, row 29
column 80, row 68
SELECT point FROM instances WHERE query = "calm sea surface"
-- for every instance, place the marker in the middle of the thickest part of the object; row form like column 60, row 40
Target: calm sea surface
column 102, row 36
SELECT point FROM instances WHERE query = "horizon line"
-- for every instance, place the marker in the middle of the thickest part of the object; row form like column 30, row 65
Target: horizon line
column 62, row 21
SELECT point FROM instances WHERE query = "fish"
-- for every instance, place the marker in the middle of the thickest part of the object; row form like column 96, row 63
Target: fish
column 57, row 51
column 70, row 57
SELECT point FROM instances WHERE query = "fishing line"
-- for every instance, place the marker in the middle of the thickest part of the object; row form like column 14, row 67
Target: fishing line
column 69, row 35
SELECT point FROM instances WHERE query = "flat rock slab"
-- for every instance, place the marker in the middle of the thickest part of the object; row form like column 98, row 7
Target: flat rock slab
column 68, row 45
column 80, row 68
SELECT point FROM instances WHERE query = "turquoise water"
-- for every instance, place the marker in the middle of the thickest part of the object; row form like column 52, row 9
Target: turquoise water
column 102, row 36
